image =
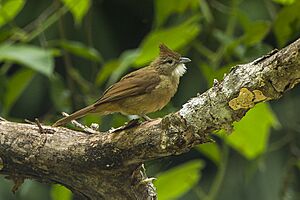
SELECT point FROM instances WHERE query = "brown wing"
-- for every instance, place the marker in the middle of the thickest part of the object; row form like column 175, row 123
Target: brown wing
column 135, row 83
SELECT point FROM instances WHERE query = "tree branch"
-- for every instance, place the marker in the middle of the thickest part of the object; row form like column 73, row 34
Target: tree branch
column 109, row 165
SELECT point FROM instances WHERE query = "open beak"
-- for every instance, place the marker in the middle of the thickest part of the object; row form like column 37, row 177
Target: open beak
column 184, row 60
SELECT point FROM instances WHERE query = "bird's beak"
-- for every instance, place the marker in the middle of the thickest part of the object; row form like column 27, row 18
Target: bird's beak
column 184, row 60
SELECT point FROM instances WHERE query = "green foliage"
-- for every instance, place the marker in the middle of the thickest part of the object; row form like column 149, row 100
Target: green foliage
column 126, row 60
column 285, row 2
column 165, row 8
column 174, row 37
column 212, row 151
column 80, row 49
column 182, row 177
column 15, row 86
column 287, row 21
column 30, row 56
column 59, row 192
column 116, row 68
column 251, row 134
column 9, row 9
column 254, row 32
column 106, row 71
column 78, row 8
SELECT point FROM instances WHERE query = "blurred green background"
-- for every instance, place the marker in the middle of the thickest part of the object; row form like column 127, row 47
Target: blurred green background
column 61, row 55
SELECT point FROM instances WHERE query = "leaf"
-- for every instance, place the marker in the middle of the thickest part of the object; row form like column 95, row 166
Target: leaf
column 251, row 134
column 36, row 58
column 165, row 8
column 284, row 2
column 59, row 192
column 211, row 150
column 286, row 23
column 9, row 9
column 81, row 50
column 174, row 37
column 78, row 8
column 15, row 87
column 178, row 180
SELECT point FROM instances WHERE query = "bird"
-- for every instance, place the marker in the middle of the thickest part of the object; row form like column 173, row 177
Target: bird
column 140, row 92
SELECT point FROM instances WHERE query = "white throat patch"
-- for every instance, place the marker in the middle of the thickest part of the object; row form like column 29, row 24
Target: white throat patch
column 179, row 70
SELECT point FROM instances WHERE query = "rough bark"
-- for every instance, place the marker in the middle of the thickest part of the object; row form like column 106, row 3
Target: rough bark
column 109, row 165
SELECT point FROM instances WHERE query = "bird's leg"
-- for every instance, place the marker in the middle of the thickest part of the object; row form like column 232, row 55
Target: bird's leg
column 145, row 117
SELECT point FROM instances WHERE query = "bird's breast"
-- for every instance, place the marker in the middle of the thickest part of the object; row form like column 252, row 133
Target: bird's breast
column 162, row 93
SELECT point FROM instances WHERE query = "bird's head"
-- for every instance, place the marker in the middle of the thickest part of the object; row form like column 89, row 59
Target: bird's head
column 170, row 62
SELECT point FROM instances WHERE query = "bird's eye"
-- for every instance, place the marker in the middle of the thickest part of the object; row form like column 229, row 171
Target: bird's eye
column 170, row 62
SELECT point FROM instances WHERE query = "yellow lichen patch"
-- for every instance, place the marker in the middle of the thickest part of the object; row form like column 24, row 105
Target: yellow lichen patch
column 246, row 99
column 258, row 96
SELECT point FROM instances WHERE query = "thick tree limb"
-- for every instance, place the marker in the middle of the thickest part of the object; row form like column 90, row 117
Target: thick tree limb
column 109, row 165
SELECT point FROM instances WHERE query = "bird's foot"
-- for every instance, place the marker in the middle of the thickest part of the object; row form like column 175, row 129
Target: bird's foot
column 127, row 125
column 94, row 126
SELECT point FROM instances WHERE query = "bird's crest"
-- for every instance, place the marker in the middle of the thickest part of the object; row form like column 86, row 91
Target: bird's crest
column 164, row 51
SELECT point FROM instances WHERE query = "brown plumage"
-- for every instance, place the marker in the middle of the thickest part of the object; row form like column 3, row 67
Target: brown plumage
column 140, row 92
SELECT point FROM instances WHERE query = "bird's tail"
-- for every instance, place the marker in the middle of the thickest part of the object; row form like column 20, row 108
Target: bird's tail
column 75, row 115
